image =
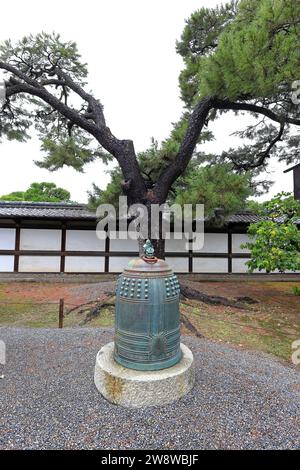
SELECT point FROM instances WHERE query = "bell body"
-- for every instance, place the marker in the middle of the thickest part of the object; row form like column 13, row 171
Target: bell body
column 147, row 326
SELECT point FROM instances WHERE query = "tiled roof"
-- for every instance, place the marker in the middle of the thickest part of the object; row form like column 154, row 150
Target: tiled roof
column 243, row 217
column 45, row 210
column 248, row 217
column 59, row 210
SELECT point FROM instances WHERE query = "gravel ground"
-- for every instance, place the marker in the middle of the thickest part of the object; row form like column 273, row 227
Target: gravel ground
column 241, row 399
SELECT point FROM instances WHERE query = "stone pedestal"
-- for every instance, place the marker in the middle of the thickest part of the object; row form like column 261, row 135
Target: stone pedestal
column 135, row 389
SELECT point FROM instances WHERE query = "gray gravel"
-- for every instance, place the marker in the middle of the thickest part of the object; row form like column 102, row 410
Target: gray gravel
column 241, row 399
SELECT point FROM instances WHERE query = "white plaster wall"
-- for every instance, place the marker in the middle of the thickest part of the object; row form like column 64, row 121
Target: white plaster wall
column 84, row 264
column 214, row 243
column 179, row 265
column 237, row 240
column 210, row 265
column 40, row 239
column 6, row 263
column 123, row 245
column 239, row 265
column 39, row 264
column 7, row 238
column 118, row 263
column 178, row 246
column 83, row 240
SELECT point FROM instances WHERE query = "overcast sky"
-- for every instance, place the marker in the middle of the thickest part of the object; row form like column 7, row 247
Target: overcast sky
column 129, row 46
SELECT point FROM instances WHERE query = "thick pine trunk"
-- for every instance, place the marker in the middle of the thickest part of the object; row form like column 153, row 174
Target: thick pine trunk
column 155, row 233
column 159, row 247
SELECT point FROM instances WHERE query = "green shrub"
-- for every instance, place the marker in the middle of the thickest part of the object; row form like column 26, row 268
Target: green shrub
column 296, row 290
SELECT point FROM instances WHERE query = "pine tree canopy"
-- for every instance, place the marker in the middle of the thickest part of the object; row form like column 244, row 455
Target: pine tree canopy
column 243, row 56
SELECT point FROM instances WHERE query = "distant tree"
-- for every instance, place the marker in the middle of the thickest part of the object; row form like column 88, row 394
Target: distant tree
column 254, row 206
column 39, row 192
column 275, row 243
column 15, row 196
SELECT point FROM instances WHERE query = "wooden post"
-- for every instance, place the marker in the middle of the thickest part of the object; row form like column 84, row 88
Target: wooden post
column 229, row 250
column 17, row 248
column 107, row 249
column 63, row 249
column 61, row 313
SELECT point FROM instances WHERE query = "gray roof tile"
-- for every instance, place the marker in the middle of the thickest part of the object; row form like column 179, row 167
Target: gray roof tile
column 58, row 210
column 45, row 210
column 243, row 217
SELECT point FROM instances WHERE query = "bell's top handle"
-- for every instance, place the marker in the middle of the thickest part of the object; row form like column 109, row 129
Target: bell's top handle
column 149, row 253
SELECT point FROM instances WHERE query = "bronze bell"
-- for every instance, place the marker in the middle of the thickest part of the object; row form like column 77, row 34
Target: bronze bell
column 147, row 326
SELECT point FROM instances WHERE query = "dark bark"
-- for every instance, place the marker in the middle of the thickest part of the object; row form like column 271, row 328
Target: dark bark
column 94, row 123
column 155, row 231
column 92, row 120
column 189, row 325
column 254, row 108
column 159, row 247
column 179, row 164
column 194, row 294
column 97, row 309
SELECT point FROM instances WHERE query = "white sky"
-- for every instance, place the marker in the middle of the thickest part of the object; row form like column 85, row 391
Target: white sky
column 129, row 46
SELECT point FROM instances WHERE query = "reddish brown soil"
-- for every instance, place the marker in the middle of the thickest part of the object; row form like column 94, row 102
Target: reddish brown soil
column 270, row 295
column 76, row 294
column 270, row 324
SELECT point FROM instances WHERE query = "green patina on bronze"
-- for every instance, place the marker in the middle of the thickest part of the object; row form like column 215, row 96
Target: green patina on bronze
column 148, row 250
column 147, row 331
